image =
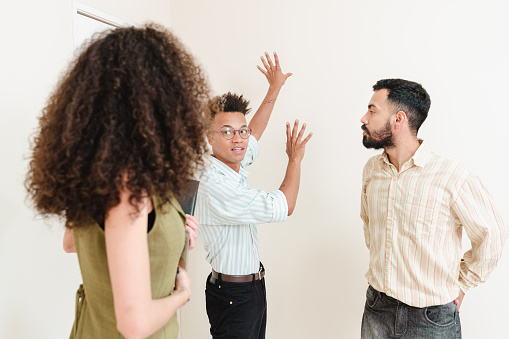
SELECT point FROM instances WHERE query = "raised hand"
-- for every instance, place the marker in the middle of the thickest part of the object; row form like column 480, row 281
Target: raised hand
column 273, row 71
column 295, row 145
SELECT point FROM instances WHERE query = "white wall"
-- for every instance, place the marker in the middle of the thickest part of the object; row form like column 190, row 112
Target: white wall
column 337, row 50
column 38, row 281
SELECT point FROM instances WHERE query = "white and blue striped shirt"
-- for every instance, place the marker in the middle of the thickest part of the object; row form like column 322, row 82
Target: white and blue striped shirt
column 228, row 212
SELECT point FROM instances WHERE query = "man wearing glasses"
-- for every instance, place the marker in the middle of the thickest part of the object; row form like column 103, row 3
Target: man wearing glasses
column 229, row 211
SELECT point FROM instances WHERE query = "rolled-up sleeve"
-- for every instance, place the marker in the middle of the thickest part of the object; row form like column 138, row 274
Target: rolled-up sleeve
column 231, row 207
column 280, row 212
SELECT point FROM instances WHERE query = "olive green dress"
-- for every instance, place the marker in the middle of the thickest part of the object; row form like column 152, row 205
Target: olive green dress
column 95, row 316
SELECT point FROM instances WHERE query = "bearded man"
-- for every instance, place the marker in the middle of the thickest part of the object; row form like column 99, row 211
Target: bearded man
column 415, row 205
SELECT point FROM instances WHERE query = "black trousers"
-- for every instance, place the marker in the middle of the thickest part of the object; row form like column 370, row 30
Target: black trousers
column 236, row 310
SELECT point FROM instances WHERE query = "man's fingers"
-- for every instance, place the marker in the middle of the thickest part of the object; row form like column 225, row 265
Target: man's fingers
column 305, row 141
column 269, row 60
column 276, row 59
column 301, row 133
column 267, row 67
column 261, row 70
column 288, row 133
column 295, row 128
column 287, row 75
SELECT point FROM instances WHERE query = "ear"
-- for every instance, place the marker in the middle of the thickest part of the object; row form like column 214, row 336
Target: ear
column 400, row 119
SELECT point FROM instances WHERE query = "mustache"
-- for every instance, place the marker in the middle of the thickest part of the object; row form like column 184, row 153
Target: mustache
column 365, row 129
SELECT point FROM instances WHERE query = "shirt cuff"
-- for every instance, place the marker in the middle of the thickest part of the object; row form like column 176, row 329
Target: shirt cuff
column 280, row 206
column 465, row 284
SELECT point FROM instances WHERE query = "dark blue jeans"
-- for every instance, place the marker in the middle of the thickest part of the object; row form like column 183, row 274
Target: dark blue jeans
column 236, row 310
column 385, row 317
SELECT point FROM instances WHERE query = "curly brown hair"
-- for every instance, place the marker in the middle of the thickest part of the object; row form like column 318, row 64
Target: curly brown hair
column 228, row 102
column 131, row 103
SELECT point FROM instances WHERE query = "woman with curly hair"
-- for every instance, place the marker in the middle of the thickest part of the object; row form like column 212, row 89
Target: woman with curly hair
column 120, row 137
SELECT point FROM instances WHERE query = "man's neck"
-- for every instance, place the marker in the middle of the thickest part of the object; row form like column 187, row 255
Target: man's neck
column 233, row 166
column 403, row 151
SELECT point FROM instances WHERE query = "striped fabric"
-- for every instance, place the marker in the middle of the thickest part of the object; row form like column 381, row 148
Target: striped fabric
column 228, row 212
column 413, row 224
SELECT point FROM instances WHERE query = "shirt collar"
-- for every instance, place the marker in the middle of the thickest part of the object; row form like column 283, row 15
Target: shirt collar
column 227, row 171
column 420, row 157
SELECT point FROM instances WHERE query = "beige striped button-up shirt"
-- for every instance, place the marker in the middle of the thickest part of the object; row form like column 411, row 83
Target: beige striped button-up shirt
column 413, row 224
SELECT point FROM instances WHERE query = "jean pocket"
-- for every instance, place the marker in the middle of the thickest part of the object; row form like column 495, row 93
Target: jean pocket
column 213, row 306
column 372, row 297
column 238, row 294
column 441, row 315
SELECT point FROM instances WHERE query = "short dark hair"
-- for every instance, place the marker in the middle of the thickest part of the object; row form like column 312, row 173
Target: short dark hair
column 228, row 102
column 409, row 97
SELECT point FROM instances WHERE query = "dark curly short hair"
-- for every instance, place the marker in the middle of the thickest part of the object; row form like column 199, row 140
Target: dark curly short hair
column 130, row 105
column 228, row 102
column 409, row 97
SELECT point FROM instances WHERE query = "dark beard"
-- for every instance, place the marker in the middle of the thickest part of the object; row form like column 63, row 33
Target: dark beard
column 378, row 139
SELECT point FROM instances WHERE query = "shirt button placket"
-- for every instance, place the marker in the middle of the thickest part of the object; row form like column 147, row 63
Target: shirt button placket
column 391, row 213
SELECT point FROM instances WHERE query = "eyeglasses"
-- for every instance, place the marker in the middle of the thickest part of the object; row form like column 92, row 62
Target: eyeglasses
column 228, row 132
